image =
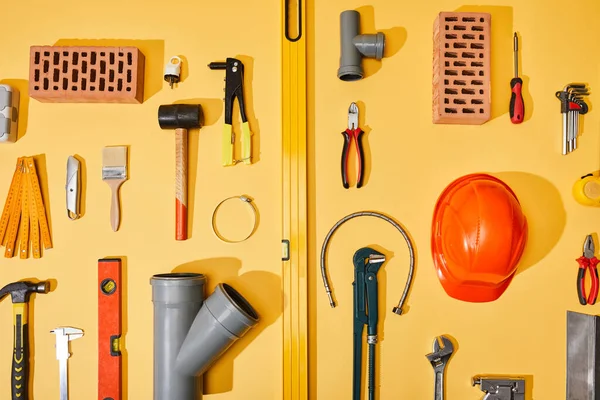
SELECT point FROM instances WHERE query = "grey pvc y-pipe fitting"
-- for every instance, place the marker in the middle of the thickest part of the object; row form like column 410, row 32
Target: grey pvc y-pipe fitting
column 188, row 335
column 224, row 318
column 355, row 46
column 177, row 299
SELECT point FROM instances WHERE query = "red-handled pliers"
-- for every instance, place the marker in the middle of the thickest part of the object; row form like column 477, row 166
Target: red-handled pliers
column 353, row 133
column 588, row 260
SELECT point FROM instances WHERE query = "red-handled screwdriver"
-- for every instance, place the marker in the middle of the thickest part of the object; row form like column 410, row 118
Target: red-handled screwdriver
column 517, row 106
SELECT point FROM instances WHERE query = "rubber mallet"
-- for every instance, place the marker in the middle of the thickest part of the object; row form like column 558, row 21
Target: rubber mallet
column 180, row 117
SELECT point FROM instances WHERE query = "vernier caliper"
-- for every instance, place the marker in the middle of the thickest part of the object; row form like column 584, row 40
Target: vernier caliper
column 63, row 336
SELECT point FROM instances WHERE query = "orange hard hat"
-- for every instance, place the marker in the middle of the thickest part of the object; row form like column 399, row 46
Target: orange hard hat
column 478, row 236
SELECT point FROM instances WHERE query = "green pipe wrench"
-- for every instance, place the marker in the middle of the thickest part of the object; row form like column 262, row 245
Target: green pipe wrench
column 366, row 265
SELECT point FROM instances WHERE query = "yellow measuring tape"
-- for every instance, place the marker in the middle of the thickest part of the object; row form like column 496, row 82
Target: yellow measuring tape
column 295, row 279
column 24, row 214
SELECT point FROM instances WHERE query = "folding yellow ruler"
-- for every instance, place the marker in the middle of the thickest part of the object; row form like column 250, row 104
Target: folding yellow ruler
column 295, row 257
column 24, row 215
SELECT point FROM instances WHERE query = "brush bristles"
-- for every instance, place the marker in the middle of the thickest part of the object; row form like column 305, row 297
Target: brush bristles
column 114, row 162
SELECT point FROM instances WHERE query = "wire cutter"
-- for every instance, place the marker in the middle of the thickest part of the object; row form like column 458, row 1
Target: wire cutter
column 366, row 264
column 234, row 87
column 588, row 260
column 353, row 133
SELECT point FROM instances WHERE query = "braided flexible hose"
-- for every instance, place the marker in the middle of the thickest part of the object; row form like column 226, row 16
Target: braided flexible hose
column 411, row 251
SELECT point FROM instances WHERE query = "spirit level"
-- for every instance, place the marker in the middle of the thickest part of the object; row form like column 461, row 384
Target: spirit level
column 295, row 252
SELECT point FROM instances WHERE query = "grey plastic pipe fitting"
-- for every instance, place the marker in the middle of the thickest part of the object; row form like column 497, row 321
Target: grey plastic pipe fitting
column 190, row 336
column 355, row 46
column 177, row 299
column 224, row 318
column 9, row 112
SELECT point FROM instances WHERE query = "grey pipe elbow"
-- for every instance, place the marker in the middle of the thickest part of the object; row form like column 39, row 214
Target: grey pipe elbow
column 355, row 46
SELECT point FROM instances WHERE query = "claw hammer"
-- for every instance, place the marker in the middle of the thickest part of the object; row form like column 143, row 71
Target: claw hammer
column 20, row 293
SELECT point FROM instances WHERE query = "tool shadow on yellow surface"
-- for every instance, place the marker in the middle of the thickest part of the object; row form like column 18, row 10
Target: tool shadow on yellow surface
column 545, row 213
column 83, row 183
column 502, row 56
column 22, row 85
column 527, row 98
column 211, row 112
column 124, row 326
column 311, row 188
column 262, row 290
column 184, row 68
column 42, row 171
column 249, row 103
column 153, row 51
column 394, row 39
column 582, row 119
column 528, row 386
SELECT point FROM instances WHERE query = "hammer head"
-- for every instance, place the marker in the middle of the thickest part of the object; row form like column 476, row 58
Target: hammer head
column 174, row 116
column 20, row 291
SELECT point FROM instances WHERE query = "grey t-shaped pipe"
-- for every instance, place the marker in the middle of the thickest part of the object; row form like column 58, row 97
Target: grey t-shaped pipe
column 355, row 46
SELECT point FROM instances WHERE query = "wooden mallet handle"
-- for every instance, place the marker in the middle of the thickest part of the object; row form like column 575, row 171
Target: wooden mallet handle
column 181, row 150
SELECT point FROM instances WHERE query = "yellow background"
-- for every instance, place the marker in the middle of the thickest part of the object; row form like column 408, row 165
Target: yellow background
column 409, row 162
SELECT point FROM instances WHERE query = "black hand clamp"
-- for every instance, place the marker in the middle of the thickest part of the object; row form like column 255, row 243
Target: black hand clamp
column 234, row 87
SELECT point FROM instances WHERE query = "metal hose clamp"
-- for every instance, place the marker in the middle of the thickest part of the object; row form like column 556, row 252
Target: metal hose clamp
column 411, row 251
column 245, row 199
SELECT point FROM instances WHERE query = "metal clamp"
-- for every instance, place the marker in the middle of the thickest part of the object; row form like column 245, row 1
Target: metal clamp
column 245, row 199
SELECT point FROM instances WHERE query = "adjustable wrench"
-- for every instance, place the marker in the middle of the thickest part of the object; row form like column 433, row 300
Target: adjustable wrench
column 442, row 351
column 63, row 336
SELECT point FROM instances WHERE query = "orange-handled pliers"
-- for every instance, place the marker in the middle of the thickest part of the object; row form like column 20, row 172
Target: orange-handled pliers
column 588, row 260
column 353, row 133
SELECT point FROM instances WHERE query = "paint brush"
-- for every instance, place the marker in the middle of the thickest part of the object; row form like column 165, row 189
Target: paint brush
column 114, row 173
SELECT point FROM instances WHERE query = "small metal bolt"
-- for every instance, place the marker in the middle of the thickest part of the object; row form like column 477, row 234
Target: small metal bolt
column 370, row 278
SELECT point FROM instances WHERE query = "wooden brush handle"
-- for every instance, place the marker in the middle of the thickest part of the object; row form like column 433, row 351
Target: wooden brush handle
column 115, row 213
column 181, row 149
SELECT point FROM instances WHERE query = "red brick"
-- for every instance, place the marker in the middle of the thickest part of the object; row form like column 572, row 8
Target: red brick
column 461, row 68
column 94, row 74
